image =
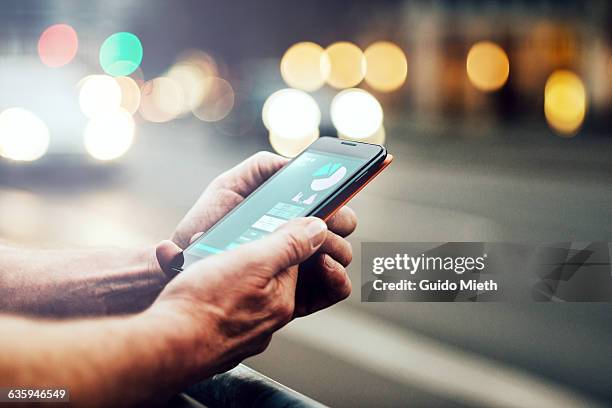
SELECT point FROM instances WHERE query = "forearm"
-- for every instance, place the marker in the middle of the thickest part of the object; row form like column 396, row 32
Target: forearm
column 78, row 282
column 115, row 361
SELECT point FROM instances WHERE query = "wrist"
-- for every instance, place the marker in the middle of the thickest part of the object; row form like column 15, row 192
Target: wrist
column 187, row 345
column 132, row 282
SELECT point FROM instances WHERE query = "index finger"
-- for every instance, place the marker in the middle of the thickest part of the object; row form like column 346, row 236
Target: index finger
column 245, row 177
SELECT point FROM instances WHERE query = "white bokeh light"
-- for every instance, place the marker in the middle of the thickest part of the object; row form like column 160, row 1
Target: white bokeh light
column 109, row 135
column 289, row 147
column 291, row 113
column 99, row 95
column 23, row 135
column 356, row 114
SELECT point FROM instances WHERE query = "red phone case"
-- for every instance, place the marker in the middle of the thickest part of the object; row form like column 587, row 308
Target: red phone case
column 383, row 166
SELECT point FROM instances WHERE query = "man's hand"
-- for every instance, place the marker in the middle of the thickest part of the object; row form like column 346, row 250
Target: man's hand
column 224, row 193
column 322, row 281
column 226, row 307
column 209, row 318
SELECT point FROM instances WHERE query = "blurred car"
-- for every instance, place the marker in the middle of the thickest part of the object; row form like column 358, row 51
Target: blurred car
column 43, row 114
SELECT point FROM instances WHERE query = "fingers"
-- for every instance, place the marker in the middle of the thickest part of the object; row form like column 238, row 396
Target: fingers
column 289, row 245
column 251, row 173
column 338, row 248
column 165, row 252
column 323, row 283
column 337, row 282
column 343, row 222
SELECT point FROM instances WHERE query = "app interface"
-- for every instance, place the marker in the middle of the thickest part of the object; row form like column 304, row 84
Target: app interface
column 301, row 186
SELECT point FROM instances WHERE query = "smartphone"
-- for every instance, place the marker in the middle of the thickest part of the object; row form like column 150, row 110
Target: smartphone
column 318, row 182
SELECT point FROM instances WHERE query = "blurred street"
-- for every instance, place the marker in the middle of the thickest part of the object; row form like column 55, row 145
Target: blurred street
column 440, row 192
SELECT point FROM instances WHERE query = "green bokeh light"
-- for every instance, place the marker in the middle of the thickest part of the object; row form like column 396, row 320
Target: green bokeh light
column 120, row 54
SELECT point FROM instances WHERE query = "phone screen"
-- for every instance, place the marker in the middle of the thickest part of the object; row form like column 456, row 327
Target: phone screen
column 294, row 192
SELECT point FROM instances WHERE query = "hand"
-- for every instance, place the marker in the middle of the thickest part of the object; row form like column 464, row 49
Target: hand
column 225, row 307
column 224, row 193
column 322, row 281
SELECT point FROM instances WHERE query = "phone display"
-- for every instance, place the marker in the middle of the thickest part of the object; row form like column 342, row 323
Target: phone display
column 311, row 184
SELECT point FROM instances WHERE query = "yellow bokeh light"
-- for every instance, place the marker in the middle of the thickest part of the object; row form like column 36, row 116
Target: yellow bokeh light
column 386, row 66
column 23, row 135
column 192, row 82
column 218, row 100
column 565, row 102
column 110, row 135
column 348, row 65
column 305, row 66
column 291, row 147
column 356, row 114
column 130, row 93
column 205, row 63
column 488, row 66
column 161, row 100
column 99, row 94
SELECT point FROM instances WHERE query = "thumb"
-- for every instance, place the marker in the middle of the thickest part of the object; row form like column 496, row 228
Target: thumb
column 291, row 244
column 165, row 252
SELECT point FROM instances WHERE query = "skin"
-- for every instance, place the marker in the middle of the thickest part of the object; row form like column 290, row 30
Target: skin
column 169, row 333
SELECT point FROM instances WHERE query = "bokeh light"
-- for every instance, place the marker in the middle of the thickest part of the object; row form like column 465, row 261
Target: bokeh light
column 348, row 65
column 130, row 93
column 387, row 67
column 565, row 102
column 291, row 113
column 109, row 135
column 291, row 147
column 356, row 114
column 23, row 135
column 99, row 94
column 218, row 100
column 161, row 100
column 203, row 61
column 120, row 54
column 192, row 82
column 305, row 66
column 487, row 66
column 58, row 45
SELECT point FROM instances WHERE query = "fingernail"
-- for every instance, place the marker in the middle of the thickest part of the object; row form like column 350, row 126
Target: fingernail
column 329, row 262
column 315, row 230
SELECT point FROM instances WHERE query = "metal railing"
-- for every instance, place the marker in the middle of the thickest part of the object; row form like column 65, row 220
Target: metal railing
column 245, row 387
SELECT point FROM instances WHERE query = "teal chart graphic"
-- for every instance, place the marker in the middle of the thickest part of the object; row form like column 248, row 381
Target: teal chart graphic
column 327, row 176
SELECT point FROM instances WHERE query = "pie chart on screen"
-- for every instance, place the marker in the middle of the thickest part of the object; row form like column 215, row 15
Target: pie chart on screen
column 327, row 176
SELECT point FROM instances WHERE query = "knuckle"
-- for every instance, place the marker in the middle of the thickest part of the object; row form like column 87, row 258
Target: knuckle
column 294, row 245
column 262, row 155
column 253, row 264
column 347, row 254
column 340, row 250
column 219, row 181
column 340, row 285
column 285, row 311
